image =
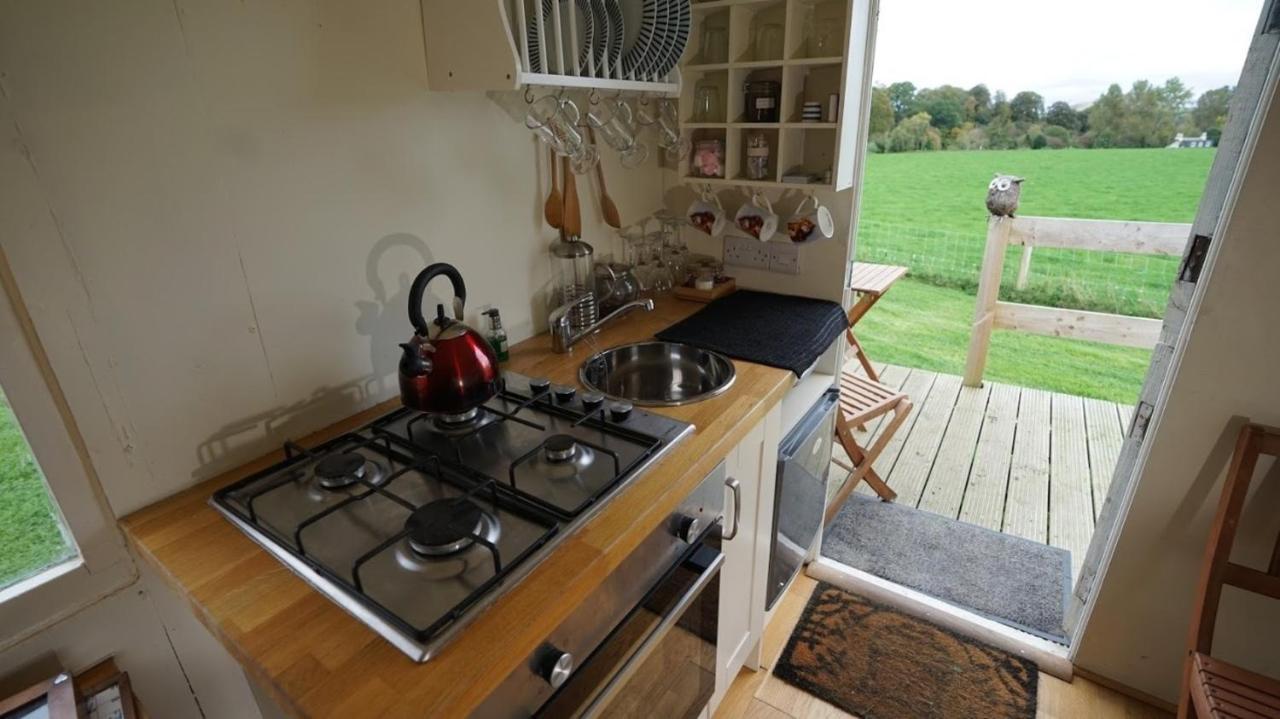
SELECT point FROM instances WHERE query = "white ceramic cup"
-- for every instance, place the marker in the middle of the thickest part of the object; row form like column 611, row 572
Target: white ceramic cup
column 808, row 224
column 756, row 218
column 706, row 214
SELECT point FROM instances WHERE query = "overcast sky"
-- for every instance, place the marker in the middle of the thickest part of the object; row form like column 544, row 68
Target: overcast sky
column 1063, row 50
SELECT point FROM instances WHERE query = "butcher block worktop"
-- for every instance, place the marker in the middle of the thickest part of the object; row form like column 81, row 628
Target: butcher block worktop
column 316, row 660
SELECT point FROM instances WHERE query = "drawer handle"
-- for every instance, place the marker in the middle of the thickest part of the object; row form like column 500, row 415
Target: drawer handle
column 734, row 485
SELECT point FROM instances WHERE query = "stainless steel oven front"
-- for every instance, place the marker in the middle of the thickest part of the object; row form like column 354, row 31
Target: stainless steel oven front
column 645, row 640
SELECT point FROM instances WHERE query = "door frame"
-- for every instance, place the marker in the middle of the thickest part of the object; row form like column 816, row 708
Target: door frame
column 1255, row 93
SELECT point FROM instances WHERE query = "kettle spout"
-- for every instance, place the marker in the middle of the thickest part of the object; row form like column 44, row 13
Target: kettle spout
column 412, row 363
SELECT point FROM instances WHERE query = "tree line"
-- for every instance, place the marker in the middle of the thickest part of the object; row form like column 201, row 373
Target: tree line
column 905, row 119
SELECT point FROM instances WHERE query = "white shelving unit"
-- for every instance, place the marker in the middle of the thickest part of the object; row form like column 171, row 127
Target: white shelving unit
column 795, row 146
column 483, row 45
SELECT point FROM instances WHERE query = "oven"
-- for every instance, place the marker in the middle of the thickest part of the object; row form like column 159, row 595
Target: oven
column 645, row 638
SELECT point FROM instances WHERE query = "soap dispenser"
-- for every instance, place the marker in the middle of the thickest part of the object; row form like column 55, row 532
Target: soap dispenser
column 497, row 336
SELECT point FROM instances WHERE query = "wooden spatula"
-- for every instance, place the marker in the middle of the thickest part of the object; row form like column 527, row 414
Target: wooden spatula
column 554, row 209
column 572, row 212
column 610, row 211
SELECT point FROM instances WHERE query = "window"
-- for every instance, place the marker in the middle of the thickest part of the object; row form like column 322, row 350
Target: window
column 32, row 535
column 59, row 546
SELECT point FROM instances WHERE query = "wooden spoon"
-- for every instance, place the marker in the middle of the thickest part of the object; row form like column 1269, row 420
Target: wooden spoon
column 554, row 209
column 572, row 212
column 610, row 211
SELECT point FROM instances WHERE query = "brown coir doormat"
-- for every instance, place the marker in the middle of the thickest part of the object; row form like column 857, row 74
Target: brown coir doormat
column 879, row 663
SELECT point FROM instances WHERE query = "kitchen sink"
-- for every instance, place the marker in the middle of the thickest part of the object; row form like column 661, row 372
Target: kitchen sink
column 658, row 374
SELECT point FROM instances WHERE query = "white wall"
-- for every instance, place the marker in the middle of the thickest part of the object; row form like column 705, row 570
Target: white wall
column 1139, row 628
column 214, row 209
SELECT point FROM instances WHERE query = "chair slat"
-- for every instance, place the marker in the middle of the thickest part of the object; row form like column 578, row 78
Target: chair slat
column 1251, row 579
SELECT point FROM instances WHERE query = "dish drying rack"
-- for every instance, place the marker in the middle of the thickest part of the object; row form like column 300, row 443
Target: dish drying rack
column 484, row 45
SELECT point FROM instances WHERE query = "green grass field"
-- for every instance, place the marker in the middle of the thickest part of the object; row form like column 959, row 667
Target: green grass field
column 926, row 210
column 29, row 533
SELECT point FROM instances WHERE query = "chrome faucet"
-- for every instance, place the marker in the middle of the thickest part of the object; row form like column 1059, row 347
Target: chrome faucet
column 562, row 336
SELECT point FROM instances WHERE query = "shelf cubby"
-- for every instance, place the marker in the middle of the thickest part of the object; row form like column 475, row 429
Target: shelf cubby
column 746, row 23
column 810, row 83
column 738, row 138
column 807, row 150
column 823, row 40
column 703, row 134
column 695, row 82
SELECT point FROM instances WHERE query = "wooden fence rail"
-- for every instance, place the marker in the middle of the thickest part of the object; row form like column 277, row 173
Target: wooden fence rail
column 1153, row 238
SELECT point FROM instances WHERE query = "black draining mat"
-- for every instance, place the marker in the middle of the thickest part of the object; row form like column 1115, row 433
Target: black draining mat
column 776, row 330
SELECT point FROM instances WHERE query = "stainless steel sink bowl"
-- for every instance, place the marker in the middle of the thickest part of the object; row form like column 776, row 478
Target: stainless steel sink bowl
column 658, row 374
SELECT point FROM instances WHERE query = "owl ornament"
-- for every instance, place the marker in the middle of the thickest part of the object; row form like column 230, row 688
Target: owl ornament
column 1002, row 195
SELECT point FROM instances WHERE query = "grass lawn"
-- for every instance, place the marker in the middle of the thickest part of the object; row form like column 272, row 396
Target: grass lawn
column 926, row 210
column 924, row 326
column 30, row 537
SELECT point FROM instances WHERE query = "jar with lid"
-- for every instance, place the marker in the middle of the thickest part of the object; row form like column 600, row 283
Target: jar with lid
column 757, row 156
column 763, row 100
column 575, row 279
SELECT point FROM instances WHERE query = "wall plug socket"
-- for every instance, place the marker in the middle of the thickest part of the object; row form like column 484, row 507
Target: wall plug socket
column 784, row 257
column 746, row 252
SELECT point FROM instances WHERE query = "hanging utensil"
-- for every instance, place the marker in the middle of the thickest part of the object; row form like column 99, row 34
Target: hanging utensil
column 610, row 211
column 572, row 224
column 554, row 208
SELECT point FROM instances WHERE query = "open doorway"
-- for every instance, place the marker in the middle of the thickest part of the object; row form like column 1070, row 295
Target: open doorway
column 1011, row 469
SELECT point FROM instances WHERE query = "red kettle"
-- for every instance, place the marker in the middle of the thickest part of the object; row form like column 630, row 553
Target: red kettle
column 447, row 368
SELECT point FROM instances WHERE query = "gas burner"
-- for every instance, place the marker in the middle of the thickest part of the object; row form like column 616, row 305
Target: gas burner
column 448, row 526
column 458, row 423
column 560, row 448
column 341, row 469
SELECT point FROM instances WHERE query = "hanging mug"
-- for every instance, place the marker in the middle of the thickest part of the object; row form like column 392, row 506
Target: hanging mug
column 756, row 218
column 810, row 224
column 707, row 214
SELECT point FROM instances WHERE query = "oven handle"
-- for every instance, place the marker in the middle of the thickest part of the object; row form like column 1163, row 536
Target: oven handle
column 651, row 643
column 736, row 487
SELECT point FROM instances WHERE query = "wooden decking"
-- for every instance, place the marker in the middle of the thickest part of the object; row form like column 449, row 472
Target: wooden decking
column 1022, row 461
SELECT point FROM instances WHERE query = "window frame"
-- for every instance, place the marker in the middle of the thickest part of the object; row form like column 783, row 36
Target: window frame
column 103, row 565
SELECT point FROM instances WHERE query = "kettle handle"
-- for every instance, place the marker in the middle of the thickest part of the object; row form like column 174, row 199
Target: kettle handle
column 420, row 287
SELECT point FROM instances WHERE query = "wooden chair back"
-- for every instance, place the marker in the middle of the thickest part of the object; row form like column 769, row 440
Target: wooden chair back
column 1217, row 569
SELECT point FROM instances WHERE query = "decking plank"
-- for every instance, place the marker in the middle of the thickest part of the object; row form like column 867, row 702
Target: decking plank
column 921, row 447
column 1070, row 492
column 945, row 484
column 1026, row 511
column 983, row 502
column 1102, row 430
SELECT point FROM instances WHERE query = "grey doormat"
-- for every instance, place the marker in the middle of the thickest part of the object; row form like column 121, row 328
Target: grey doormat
column 1011, row 580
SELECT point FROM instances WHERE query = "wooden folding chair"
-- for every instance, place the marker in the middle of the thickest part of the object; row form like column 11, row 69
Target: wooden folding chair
column 1212, row 687
column 861, row 400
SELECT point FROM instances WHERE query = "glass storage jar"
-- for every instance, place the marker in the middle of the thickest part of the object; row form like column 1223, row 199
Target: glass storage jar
column 762, row 100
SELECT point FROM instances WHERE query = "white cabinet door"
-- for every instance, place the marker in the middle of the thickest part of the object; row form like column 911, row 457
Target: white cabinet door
column 746, row 556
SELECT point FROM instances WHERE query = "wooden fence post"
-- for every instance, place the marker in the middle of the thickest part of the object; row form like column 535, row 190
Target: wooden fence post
column 984, row 313
column 1024, row 267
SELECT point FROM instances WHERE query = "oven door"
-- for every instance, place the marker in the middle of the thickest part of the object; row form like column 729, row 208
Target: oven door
column 662, row 655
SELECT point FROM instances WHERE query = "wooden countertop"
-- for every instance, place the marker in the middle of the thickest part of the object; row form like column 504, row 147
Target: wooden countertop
column 316, row 660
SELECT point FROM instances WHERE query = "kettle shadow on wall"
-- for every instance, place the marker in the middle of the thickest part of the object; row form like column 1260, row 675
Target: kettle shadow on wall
column 384, row 320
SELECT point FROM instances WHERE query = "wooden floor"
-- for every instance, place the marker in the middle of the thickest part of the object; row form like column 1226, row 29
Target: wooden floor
column 760, row 695
column 1022, row 461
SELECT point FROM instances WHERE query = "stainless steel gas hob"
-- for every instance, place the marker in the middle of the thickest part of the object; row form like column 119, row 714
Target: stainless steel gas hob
column 415, row 523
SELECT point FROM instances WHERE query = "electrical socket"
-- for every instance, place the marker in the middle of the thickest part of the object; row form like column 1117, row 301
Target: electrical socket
column 784, row 257
column 745, row 252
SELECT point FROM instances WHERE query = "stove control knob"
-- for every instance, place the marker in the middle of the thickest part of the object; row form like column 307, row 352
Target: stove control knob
column 539, row 386
column 555, row 666
column 592, row 401
column 564, row 395
column 690, row 527
column 620, row 411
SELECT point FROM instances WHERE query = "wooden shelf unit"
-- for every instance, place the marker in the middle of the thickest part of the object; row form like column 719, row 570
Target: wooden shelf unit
column 794, row 145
